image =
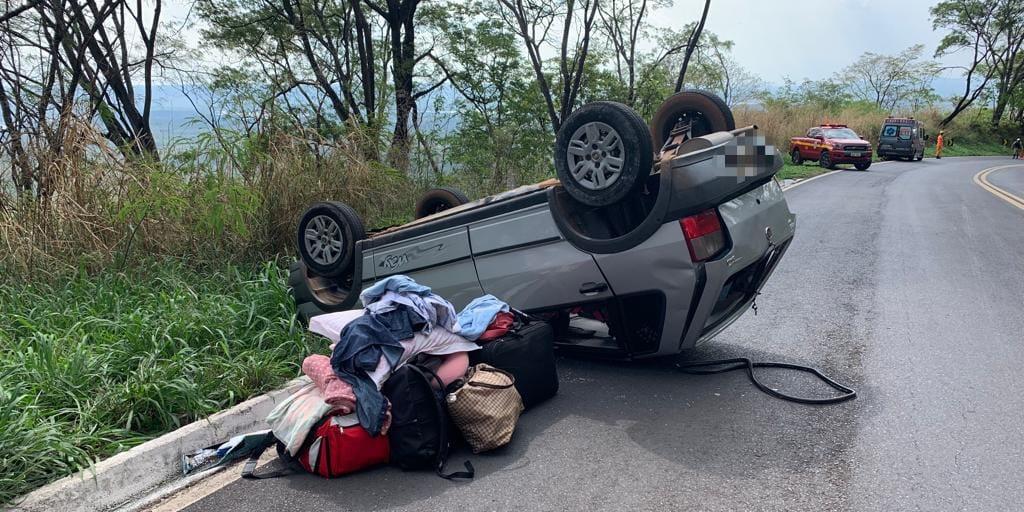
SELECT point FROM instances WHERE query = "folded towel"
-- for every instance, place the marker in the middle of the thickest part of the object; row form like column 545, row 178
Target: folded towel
column 336, row 392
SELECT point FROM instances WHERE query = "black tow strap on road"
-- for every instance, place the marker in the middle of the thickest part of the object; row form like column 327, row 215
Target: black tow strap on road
column 727, row 365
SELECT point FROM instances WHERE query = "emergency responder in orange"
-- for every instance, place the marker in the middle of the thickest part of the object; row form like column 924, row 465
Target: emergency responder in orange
column 938, row 145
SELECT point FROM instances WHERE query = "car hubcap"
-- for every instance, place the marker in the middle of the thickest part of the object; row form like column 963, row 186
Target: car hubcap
column 595, row 156
column 323, row 240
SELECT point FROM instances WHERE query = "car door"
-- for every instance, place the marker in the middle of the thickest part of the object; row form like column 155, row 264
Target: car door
column 522, row 259
column 441, row 260
column 810, row 149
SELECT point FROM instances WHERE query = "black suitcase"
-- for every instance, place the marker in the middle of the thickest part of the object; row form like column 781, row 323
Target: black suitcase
column 528, row 353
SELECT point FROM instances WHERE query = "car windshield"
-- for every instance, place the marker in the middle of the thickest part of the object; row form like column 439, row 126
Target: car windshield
column 840, row 133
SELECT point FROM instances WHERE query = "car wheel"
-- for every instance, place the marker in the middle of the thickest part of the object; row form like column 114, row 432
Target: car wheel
column 439, row 199
column 325, row 293
column 863, row 166
column 705, row 110
column 603, row 153
column 920, row 156
column 826, row 161
column 327, row 237
column 797, row 159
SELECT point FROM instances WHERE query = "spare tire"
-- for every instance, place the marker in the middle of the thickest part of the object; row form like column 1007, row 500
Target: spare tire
column 706, row 110
column 603, row 153
column 327, row 237
column 439, row 199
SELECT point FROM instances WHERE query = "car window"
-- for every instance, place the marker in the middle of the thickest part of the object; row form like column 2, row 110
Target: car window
column 890, row 130
column 813, row 132
column 841, row 133
column 905, row 132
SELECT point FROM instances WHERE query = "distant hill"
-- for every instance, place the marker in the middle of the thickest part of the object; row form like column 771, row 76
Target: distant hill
column 172, row 110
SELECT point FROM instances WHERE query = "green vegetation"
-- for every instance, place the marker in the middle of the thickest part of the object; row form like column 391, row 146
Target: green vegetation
column 134, row 291
column 94, row 365
column 792, row 171
column 972, row 149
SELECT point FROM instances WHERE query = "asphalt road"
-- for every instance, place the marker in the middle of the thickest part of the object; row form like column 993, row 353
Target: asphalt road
column 905, row 282
column 1010, row 179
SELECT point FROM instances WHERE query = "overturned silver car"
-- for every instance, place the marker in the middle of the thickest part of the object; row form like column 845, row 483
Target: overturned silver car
column 636, row 250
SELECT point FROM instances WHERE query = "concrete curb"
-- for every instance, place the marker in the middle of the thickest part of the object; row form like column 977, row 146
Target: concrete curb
column 132, row 474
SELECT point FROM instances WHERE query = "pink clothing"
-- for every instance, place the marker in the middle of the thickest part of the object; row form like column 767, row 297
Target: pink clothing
column 453, row 367
column 336, row 392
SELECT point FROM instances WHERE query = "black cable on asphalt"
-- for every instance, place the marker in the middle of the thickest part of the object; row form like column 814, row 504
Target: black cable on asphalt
column 727, row 365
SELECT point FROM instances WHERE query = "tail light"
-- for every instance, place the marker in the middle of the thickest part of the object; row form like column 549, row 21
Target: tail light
column 704, row 235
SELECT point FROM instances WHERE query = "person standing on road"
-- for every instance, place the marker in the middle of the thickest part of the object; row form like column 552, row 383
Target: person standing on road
column 1017, row 147
column 938, row 145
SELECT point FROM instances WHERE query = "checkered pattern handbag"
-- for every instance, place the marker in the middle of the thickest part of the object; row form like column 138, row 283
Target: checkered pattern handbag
column 485, row 407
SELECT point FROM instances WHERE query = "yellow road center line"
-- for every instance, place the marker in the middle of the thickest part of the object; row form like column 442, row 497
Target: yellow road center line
column 981, row 179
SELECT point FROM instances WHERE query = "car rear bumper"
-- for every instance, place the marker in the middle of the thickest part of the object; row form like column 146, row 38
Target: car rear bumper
column 738, row 293
column 703, row 299
column 760, row 227
column 896, row 151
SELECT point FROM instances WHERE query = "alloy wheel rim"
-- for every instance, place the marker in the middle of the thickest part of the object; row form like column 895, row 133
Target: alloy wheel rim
column 596, row 156
column 323, row 240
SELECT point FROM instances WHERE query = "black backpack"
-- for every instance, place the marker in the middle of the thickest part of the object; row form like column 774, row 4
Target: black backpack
column 420, row 433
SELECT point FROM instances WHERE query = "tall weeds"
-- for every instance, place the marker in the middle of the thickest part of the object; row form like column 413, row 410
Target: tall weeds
column 226, row 197
column 90, row 366
column 778, row 122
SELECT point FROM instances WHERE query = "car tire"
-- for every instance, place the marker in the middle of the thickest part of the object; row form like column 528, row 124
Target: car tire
column 439, row 199
column 826, row 161
column 603, row 153
column 797, row 159
column 711, row 113
column 920, row 156
column 326, row 237
column 862, row 167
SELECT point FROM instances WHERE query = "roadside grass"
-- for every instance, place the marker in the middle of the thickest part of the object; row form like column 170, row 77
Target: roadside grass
column 95, row 365
column 791, row 171
column 971, row 149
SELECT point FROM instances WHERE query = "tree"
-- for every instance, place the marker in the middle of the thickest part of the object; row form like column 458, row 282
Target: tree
column 311, row 53
column 825, row 95
column 106, row 30
column 993, row 32
column 352, row 53
column 711, row 67
column 498, row 139
column 533, row 21
column 65, row 58
column 889, row 81
column 401, row 28
column 622, row 25
column 691, row 45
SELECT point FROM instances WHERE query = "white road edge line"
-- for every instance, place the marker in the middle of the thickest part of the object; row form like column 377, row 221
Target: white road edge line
column 829, row 173
column 795, row 185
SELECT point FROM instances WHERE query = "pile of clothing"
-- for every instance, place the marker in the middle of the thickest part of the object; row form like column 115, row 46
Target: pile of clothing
column 401, row 321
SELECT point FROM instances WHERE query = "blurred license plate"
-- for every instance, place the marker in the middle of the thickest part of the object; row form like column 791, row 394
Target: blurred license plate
column 854, row 153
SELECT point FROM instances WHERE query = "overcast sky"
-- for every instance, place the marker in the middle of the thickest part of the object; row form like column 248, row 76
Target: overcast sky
column 811, row 38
